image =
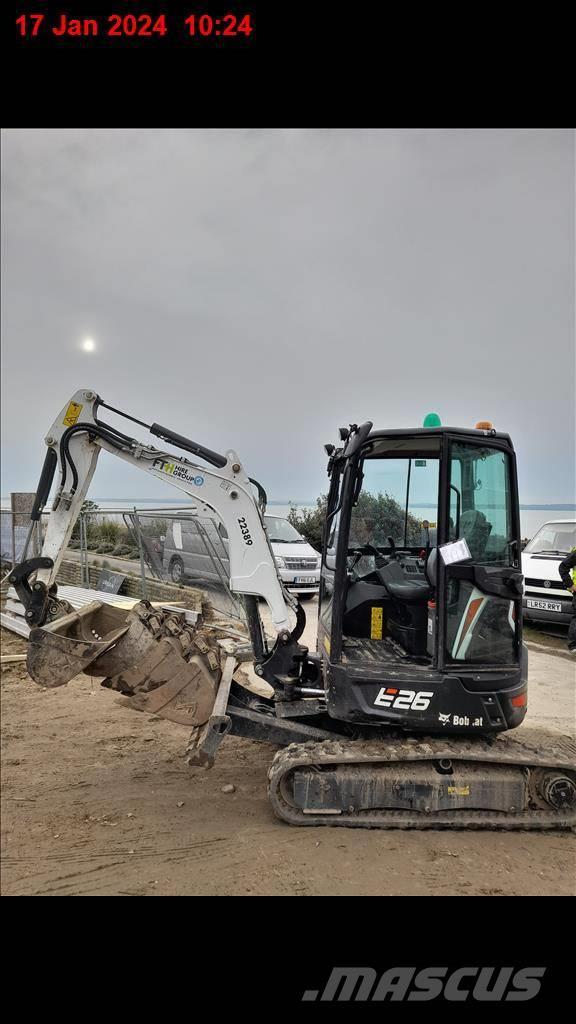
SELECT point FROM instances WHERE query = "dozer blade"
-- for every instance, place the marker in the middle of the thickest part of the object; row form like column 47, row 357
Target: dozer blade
column 155, row 659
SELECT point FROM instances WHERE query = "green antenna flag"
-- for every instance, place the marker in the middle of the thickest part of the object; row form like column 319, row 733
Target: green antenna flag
column 432, row 420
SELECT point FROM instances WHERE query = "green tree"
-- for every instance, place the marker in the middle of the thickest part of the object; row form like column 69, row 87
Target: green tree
column 87, row 506
column 375, row 517
column 310, row 522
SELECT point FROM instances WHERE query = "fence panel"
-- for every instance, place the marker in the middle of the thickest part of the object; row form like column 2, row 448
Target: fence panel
column 173, row 547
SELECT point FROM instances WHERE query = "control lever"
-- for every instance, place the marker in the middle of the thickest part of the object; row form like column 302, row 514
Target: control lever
column 379, row 558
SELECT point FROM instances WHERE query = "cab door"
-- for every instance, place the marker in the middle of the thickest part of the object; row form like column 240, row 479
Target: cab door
column 481, row 609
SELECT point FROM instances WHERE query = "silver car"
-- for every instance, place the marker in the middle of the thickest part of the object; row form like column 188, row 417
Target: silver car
column 197, row 550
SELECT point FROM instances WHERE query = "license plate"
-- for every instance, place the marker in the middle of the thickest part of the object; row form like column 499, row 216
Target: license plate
column 544, row 606
column 305, row 579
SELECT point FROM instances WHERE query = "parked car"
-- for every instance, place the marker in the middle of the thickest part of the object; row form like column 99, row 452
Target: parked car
column 297, row 561
column 197, row 549
column 545, row 597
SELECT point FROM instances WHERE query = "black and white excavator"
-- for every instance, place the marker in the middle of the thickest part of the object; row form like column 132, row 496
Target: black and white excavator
column 403, row 716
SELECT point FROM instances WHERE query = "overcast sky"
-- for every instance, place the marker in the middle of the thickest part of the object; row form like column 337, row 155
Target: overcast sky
column 256, row 288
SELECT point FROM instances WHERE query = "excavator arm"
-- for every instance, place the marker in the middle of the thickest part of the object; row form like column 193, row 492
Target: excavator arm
column 75, row 441
column 153, row 657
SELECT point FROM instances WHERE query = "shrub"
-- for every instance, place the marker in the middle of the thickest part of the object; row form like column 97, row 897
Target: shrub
column 110, row 532
column 87, row 506
column 121, row 549
column 310, row 522
column 374, row 519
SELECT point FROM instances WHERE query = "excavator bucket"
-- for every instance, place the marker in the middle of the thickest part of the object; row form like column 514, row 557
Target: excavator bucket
column 160, row 663
column 97, row 633
column 164, row 683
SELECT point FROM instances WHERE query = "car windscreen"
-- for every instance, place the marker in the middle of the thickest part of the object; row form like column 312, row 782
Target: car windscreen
column 281, row 531
column 553, row 539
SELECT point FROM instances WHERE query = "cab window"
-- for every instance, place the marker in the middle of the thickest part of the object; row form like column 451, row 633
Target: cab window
column 481, row 504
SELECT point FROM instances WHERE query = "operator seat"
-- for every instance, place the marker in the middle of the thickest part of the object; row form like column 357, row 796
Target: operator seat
column 475, row 529
column 410, row 591
column 408, row 614
column 401, row 588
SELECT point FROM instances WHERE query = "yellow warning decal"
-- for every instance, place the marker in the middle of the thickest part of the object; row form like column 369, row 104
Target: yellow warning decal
column 459, row 790
column 376, row 619
column 72, row 413
column 327, row 644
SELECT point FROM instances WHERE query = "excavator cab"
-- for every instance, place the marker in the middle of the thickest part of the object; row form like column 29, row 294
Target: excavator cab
column 420, row 620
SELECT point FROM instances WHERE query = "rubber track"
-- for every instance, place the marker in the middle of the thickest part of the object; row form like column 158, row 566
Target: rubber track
column 530, row 747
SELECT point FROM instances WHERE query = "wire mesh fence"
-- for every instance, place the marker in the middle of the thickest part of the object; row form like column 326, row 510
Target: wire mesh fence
column 15, row 537
column 169, row 545
column 176, row 547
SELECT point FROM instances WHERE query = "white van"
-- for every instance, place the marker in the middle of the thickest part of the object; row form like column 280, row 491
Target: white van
column 545, row 597
column 198, row 550
column 297, row 562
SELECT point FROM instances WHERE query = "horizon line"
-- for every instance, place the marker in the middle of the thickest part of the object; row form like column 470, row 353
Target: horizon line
column 552, row 506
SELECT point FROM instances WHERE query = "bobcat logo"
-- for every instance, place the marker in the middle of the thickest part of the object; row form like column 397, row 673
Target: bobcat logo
column 444, row 719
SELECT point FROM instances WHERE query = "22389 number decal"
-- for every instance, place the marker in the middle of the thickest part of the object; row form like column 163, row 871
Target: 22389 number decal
column 403, row 700
column 245, row 530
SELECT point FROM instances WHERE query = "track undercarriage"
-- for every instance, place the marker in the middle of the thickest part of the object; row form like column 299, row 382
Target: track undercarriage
column 517, row 781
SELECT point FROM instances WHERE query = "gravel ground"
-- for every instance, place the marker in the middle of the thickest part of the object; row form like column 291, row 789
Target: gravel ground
column 97, row 801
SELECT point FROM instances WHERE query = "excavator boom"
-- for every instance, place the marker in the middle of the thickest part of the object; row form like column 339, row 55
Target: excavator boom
column 74, row 443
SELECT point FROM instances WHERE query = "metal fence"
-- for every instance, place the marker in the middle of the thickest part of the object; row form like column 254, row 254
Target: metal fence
column 167, row 544
column 184, row 549
column 15, row 537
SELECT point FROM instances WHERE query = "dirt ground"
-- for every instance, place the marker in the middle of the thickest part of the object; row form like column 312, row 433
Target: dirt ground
column 97, row 801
